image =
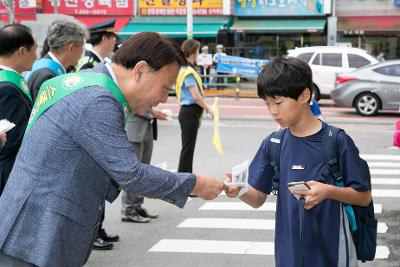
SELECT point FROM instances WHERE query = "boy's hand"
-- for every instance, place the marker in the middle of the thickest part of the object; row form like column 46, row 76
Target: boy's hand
column 231, row 191
column 314, row 196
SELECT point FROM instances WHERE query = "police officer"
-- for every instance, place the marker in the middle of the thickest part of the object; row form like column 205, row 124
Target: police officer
column 103, row 39
column 17, row 54
column 65, row 40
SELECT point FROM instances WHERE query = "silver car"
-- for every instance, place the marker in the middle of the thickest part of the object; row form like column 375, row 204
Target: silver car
column 369, row 89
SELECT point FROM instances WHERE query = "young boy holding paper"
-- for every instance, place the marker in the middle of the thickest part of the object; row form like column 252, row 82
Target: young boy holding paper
column 285, row 86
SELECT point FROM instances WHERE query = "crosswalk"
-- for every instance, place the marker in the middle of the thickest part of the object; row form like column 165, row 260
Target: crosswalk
column 385, row 172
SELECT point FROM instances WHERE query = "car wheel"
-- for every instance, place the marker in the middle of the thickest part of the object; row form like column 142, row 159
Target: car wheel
column 367, row 104
column 316, row 95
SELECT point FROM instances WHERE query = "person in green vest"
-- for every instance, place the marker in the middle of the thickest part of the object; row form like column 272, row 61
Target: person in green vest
column 103, row 39
column 17, row 54
column 65, row 40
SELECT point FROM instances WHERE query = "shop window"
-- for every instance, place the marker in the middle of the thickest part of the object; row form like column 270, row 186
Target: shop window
column 332, row 59
column 305, row 56
column 356, row 61
column 392, row 70
column 317, row 60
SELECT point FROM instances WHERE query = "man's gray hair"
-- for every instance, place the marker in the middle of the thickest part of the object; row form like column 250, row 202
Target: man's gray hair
column 61, row 32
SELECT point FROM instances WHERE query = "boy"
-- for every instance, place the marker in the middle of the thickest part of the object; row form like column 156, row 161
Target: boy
column 284, row 84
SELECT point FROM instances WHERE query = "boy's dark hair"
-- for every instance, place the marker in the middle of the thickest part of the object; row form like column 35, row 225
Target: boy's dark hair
column 96, row 38
column 284, row 76
column 189, row 47
column 158, row 51
column 14, row 36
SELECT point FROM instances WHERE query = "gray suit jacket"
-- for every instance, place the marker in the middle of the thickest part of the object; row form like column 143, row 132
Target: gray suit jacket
column 72, row 159
column 137, row 128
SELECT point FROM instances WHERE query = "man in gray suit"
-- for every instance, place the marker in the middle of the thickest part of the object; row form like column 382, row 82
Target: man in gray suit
column 141, row 131
column 76, row 154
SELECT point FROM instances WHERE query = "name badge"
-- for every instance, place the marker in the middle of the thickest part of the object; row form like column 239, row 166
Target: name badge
column 298, row 167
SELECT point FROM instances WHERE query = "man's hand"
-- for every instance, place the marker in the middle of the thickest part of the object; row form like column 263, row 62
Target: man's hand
column 231, row 191
column 158, row 114
column 207, row 187
column 314, row 196
column 3, row 139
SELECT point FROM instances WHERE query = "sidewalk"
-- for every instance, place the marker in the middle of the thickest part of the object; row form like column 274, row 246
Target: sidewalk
column 254, row 109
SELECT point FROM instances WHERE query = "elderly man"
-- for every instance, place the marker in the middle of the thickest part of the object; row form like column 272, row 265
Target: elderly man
column 17, row 54
column 65, row 40
column 76, row 154
column 102, row 38
column 220, row 80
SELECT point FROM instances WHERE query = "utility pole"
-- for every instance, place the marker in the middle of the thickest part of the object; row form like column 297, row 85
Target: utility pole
column 55, row 3
column 189, row 19
column 9, row 5
column 332, row 26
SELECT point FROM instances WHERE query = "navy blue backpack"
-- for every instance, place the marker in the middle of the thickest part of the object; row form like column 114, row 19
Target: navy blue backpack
column 363, row 223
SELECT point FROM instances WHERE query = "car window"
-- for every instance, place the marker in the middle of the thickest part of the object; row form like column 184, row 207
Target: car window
column 332, row 59
column 317, row 60
column 305, row 56
column 392, row 70
column 356, row 61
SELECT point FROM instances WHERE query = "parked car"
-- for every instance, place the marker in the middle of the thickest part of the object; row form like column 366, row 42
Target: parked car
column 327, row 61
column 370, row 89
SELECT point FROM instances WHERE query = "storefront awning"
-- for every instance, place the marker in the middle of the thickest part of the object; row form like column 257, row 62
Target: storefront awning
column 175, row 26
column 278, row 26
column 359, row 25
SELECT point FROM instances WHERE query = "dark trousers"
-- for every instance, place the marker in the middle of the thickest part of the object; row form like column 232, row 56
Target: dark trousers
column 205, row 71
column 189, row 119
column 220, row 81
column 6, row 166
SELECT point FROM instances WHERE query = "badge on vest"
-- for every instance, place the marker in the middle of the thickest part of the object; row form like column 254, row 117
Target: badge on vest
column 298, row 167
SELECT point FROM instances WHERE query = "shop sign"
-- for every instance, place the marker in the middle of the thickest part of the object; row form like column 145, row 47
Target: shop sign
column 279, row 7
column 90, row 7
column 240, row 65
column 178, row 7
column 21, row 7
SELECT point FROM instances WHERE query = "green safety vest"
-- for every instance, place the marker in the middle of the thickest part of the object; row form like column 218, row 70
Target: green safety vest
column 16, row 79
column 57, row 88
column 84, row 60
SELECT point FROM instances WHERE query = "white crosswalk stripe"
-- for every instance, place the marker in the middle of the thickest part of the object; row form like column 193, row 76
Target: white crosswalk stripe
column 380, row 157
column 240, row 206
column 383, row 164
column 385, row 171
column 229, row 247
column 391, row 181
column 243, row 224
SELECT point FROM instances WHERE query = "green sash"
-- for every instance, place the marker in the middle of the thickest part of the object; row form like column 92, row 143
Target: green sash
column 16, row 79
column 59, row 87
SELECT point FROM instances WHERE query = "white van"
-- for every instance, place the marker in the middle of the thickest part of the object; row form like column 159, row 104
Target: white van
column 327, row 61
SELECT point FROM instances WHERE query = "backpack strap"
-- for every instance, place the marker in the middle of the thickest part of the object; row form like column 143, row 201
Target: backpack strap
column 274, row 153
column 332, row 167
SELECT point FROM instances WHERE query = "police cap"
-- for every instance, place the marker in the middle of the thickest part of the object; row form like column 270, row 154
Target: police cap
column 102, row 27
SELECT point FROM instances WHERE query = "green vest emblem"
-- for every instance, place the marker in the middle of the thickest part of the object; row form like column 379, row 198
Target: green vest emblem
column 59, row 87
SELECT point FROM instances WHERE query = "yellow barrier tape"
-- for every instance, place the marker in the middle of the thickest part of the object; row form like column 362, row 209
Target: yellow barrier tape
column 216, row 138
